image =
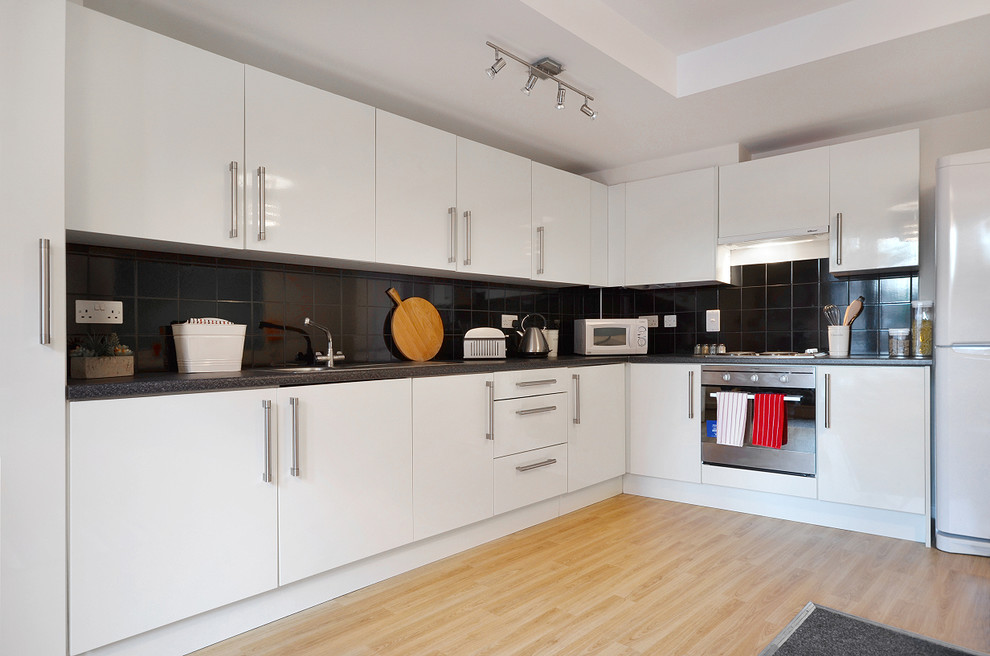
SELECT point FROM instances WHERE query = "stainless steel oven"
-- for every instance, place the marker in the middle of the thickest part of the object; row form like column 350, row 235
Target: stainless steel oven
column 797, row 383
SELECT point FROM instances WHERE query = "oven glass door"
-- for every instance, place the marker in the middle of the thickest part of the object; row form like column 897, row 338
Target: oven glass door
column 796, row 457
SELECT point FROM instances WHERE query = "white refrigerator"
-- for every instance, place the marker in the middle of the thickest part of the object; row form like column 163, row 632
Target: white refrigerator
column 962, row 354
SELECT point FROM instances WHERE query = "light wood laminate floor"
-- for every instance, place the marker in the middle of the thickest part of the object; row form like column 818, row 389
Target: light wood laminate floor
column 632, row 575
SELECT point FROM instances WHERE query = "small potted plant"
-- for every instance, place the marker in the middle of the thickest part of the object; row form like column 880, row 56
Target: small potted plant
column 101, row 356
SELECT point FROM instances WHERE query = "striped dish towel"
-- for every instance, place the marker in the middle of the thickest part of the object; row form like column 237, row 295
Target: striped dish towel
column 730, row 426
column 769, row 420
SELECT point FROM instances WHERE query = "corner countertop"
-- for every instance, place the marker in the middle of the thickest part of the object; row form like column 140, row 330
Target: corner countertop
column 155, row 384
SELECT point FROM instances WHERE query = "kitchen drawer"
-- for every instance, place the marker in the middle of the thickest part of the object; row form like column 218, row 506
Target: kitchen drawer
column 529, row 477
column 530, row 382
column 530, row 423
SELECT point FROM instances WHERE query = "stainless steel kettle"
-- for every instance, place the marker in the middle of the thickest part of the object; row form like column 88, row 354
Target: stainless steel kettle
column 532, row 343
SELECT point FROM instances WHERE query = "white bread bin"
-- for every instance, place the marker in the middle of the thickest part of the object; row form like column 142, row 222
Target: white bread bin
column 209, row 344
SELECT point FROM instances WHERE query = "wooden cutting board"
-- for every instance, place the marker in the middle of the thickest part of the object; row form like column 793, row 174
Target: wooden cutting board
column 416, row 327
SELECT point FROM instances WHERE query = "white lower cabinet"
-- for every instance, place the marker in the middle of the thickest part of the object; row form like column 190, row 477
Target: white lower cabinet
column 452, row 452
column 351, row 496
column 529, row 423
column 525, row 478
column 665, row 421
column 169, row 515
column 873, row 428
column 596, row 430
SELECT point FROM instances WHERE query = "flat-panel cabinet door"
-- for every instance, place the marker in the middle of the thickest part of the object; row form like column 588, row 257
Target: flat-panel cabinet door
column 874, row 203
column 152, row 127
column 452, row 452
column 169, row 515
column 671, row 230
column 596, row 437
column 561, row 226
column 350, row 495
column 774, row 196
column 665, row 421
column 416, row 192
column 494, row 199
column 873, row 436
column 316, row 154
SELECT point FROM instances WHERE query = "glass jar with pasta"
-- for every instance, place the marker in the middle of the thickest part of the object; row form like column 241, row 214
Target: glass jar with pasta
column 922, row 325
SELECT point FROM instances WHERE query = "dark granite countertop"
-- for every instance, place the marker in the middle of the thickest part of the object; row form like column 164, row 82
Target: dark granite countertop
column 153, row 384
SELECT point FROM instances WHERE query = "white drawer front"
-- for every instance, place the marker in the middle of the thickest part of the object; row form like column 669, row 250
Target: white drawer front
column 529, row 477
column 530, row 382
column 530, row 423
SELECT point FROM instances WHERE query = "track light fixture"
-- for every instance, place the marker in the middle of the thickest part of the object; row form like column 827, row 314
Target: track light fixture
column 496, row 67
column 543, row 69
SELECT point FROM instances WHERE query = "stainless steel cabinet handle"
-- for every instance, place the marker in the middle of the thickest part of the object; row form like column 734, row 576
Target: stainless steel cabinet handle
column 233, row 199
column 828, row 400
column 261, row 203
column 690, row 395
column 536, row 411
column 542, row 235
column 45, row 290
column 267, row 475
column 531, row 383
column 838, row 238
column 577, row 398
column 491, row 410
column 537, row 465
column 452, row 249
column 294, row 467
column 467, row 237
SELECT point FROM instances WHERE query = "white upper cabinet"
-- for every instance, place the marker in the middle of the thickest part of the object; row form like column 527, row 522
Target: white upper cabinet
column 873, row 436
column 561, row 226
column 316, row 154
column 417, row 222
column 152, row 128
column 494, row 199
column 671, row 225
column 874, row 203
column 772, row 197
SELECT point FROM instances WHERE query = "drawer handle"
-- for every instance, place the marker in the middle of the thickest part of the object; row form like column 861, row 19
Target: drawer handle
column 534, row 411
column 537, row 465
column 531, row 383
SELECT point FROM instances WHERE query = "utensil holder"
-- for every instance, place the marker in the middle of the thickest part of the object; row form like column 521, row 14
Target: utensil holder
column 838, row 341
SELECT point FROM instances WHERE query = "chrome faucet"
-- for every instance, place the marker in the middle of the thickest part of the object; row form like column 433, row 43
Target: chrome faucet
column 330, row 357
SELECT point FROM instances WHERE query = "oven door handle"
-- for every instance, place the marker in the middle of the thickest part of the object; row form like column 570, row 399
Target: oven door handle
column 750, row 397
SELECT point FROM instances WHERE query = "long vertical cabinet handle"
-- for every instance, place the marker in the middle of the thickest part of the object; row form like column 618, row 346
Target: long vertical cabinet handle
column 452, row 248
column 294, row 404
column 267, row 475
column 467, row 238
column 828, row 400
column 542, row 235
column 838, row 237
column 577, row 398
column 45, row 290
column 490, row 435
column 261, row 203
column 233, row 200
column 691, row 395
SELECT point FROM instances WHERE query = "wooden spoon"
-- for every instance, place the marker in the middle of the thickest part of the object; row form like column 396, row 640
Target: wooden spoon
column 853, row 311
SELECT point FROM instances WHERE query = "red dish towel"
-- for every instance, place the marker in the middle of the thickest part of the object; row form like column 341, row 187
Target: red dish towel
column 769, row 420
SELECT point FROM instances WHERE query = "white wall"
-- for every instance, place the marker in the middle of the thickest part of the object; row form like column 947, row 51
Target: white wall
column 32, row 384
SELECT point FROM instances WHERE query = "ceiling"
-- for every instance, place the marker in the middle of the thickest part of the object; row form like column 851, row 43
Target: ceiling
column 668, row 76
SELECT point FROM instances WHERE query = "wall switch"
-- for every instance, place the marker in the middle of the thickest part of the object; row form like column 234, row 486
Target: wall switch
column 507, row 320
column 712, row 321
column 652, row 320
column 670, row 321
column 99, row 312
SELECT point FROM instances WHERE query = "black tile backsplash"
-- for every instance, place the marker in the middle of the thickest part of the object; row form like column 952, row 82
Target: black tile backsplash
column 777, row 307
column 159, row 288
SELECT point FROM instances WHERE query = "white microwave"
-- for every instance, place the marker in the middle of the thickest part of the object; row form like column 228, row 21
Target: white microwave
column 610, row 336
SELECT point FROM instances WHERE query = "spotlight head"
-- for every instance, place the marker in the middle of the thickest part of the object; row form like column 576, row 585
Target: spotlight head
column 496, row 67
column 560, row 97
column 588, row 111
column 530, row 83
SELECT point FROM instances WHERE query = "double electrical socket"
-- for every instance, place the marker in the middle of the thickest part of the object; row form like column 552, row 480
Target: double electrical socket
column 99, row 312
